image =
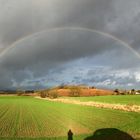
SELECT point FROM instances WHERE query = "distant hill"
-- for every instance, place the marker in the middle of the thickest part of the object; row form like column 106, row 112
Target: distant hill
column 81, row 90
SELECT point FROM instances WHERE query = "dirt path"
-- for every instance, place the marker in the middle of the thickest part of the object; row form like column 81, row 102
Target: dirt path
column 129, row 108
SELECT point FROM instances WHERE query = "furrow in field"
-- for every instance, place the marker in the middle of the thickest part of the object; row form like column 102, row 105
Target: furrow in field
column 3, row 110
column 33, row 118
column 47, row 122
column 26, row 125
column 69, row 121
column 8, row 122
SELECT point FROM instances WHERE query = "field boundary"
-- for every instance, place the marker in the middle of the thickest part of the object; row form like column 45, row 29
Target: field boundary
column 128, row 108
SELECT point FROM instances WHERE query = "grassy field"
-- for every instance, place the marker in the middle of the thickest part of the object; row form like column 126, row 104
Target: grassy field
column 119, row 99
column 29, row 118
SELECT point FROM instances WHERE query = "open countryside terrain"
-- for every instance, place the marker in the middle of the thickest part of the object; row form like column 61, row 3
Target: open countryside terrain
column 80, row 91
column 119, row 99
column 30, row 118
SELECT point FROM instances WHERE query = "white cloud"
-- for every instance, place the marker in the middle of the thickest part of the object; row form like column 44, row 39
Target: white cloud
column 137, row 76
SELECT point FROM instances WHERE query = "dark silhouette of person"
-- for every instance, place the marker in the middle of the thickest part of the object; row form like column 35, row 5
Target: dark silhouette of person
column 70, row 135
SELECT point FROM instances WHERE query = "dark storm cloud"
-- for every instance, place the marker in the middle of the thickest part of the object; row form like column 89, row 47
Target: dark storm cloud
column 20, row 18
column 45, row 53
column 37, row 56
column 60, row 46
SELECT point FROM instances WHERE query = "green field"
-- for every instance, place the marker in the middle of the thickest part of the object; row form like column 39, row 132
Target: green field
column 28, row 118
column 119, row 99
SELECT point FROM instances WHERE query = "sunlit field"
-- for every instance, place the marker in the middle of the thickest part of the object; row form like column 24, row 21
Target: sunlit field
column 119, row 99
column 29, row 118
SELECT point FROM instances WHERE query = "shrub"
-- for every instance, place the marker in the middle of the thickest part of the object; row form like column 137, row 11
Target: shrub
column 53, row 95
column 116, row 91
column 133, row 91
column 19, row 92
column 75, row 91
column 43, row 94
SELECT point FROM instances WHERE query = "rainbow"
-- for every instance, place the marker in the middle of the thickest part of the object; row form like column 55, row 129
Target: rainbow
column 124, row 44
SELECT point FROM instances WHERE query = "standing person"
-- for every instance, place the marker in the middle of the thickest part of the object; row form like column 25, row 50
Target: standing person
column 70, row 135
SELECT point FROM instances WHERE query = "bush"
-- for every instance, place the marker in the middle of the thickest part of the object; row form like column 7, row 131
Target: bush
column 116, row 91
column 53, row 95
column 43, row 94
column 19, row 92
column 133, row 91
column 75, row 91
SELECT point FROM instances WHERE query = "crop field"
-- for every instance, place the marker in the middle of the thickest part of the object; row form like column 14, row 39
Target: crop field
column 119, row 99
column 27, row 118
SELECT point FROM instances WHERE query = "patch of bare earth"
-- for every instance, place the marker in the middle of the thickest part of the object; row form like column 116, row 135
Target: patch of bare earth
column 129, row 108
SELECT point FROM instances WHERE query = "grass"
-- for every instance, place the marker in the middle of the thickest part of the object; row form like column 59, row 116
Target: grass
column 29, row 118
column 119, row 99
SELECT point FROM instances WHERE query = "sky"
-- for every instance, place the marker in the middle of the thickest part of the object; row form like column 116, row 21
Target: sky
column 46, row 43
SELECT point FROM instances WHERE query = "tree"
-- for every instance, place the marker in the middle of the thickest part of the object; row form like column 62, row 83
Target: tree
column 133, row 91
column 75, row 91
column 116, row 91
column 19, row 92
column 43, row 94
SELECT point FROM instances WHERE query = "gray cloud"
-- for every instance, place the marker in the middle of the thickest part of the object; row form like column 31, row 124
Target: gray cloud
column 46, row 53
column 110, row 78
column 120, row 18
